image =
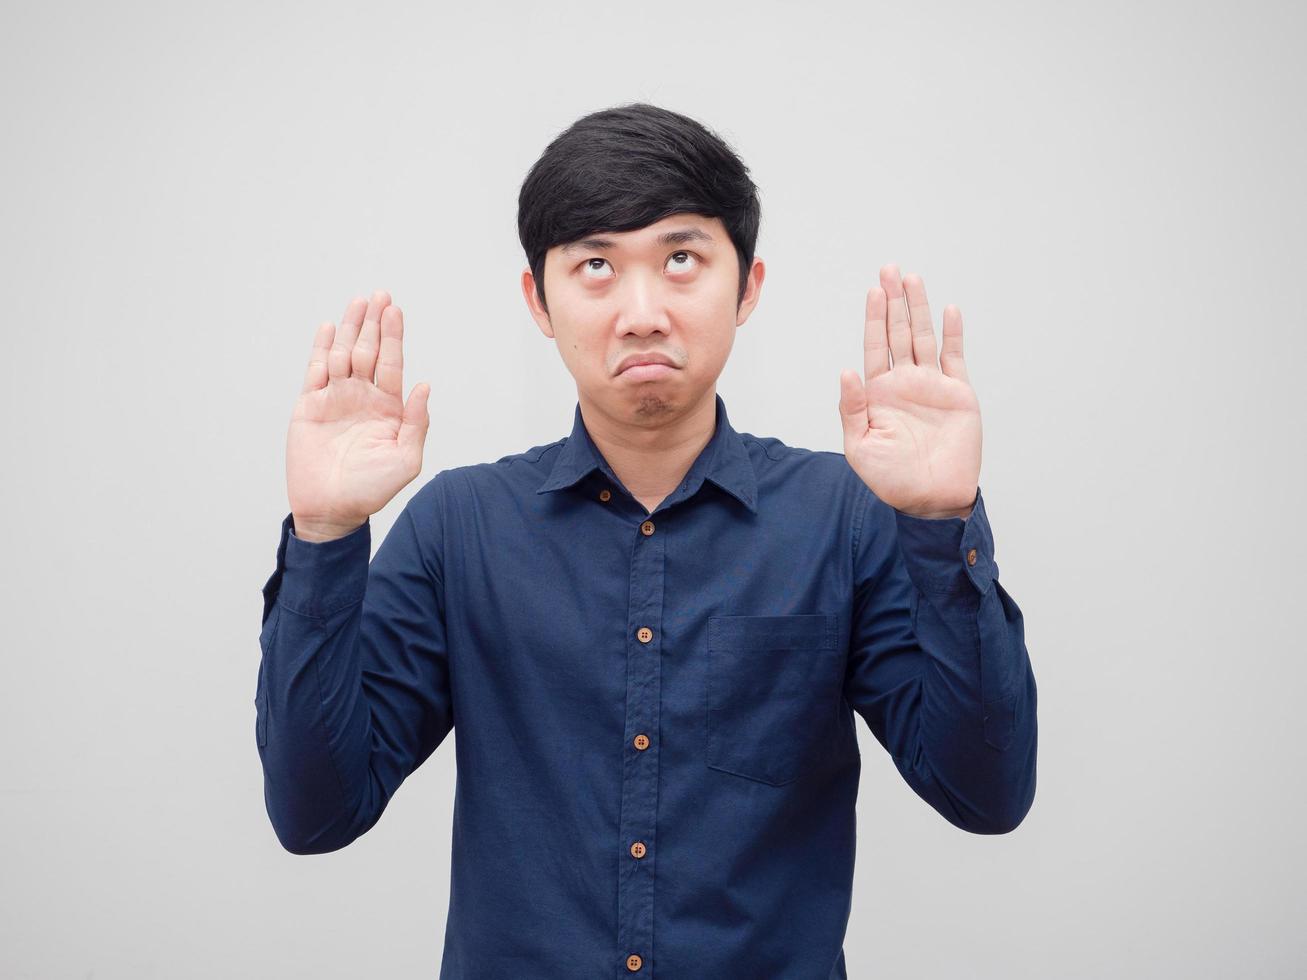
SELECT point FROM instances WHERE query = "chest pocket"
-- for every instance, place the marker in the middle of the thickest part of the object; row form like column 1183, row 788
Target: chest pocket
column 773, row 687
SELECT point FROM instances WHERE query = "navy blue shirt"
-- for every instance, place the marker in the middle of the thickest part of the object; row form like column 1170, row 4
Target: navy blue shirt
column 657, row 761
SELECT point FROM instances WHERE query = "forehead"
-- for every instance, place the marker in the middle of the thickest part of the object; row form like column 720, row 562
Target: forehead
column 675, row 229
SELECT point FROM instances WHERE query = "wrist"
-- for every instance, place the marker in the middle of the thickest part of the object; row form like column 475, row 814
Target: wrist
column 940, row 515
column 934, row 515
column 317, row 532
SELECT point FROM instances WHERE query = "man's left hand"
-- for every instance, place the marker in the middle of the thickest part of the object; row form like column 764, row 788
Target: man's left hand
column 912, row 430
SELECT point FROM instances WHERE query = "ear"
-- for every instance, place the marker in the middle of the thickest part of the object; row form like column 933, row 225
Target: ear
column 538, row 312
column 752, row 287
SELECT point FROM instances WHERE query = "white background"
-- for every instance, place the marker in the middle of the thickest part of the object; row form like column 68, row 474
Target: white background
column 1112, row 194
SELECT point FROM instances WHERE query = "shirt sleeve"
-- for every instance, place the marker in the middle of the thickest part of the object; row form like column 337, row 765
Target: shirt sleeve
column 353, row 691
column 938, row 666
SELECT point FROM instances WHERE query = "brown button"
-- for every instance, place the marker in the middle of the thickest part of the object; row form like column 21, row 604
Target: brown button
column 644, row 634
column 633, row 962
column 605, row 494
column 971, row 557
column 647, row 528
column 642, row 742
column 637, row 849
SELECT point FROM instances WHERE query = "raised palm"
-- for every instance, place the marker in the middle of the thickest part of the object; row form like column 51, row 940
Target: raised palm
column 353, row 443
column 912, row 431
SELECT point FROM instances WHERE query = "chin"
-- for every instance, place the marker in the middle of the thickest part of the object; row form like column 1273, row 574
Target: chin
column 654, row 405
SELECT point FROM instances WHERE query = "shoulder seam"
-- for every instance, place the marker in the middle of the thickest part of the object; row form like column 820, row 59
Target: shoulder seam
column 525, row 456
column 788, row 449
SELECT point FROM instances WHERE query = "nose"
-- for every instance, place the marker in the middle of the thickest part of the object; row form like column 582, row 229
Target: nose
column 642, row 306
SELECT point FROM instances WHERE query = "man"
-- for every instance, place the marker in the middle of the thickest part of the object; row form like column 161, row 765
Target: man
column 651, row 635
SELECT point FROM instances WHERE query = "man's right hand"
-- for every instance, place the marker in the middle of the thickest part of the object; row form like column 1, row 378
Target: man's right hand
column 353, row 442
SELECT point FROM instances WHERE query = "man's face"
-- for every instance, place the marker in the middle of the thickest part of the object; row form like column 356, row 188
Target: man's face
column 669, row 288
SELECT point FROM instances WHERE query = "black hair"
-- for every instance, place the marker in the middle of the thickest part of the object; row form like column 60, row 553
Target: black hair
column 628, row 166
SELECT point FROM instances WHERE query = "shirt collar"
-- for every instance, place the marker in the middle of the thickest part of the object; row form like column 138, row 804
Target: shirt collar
column 724, row 461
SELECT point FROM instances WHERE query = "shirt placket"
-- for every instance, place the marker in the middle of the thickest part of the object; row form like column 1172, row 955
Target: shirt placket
column 638, row 850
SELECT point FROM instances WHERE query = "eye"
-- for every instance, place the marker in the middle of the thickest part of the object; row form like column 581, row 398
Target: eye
column 684, row 265
column 588, row 266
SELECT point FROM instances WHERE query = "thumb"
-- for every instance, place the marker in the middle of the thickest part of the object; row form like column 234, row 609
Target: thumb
column 853, row 406
column 413, row 427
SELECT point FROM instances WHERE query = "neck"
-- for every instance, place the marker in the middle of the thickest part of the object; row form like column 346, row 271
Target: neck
column 652, row 446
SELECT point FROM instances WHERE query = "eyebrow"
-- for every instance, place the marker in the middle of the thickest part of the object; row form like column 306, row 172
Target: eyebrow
column 679, row 237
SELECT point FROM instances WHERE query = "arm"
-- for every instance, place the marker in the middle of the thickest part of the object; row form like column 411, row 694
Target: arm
column 938, row 666
column 353, row 691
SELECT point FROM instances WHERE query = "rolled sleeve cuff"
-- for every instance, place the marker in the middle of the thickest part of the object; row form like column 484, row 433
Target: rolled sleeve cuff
column 317, row 578
column 939, row 552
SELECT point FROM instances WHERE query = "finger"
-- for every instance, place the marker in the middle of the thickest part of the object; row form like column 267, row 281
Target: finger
column 923, row 330
column 316, row 374
column 364, row 355
column 390, row 360
column 950, row 357
column 338, row 363
column 413, row 426
column 853, row 406
column 875, row 343
column 900, row 332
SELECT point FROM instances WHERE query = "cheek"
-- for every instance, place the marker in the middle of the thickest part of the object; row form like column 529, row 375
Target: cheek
column 716, row 300
column 588, row 350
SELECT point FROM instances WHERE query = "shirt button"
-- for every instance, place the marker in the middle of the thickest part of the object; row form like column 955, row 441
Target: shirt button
column 644, row 634
column 647, row 528
column 633, row 962
column 637, row 849
column 642, row 742
column 971, row 557
column 605, row 494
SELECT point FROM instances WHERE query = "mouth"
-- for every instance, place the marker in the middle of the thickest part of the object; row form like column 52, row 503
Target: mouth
column 647, row 372
column 639, row 362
